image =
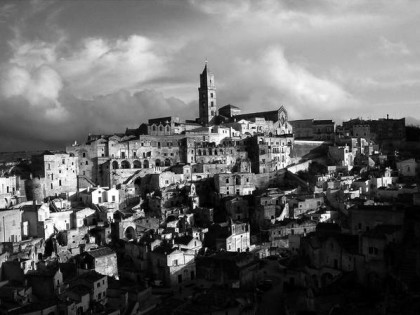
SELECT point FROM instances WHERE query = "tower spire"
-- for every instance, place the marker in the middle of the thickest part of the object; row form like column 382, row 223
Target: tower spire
column 207, row 96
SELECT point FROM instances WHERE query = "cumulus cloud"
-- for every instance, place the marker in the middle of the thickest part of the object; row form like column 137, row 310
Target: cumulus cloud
column 51, row 87
column 98, row 66
column 386, row 48
column 275, row 80
column 108, row 66
column 389, row 48
column 38, row 86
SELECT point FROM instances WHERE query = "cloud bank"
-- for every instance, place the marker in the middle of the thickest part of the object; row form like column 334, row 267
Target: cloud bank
column 72, row 68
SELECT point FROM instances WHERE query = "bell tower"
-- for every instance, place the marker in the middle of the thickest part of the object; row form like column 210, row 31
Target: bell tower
column 207, row 97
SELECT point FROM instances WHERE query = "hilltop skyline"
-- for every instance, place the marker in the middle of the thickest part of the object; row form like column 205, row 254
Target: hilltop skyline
column 73, row 68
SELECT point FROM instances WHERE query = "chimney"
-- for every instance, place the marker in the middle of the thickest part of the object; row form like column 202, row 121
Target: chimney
column 387, row 116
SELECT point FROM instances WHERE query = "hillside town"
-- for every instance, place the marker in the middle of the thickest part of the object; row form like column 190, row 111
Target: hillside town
column 228, row 213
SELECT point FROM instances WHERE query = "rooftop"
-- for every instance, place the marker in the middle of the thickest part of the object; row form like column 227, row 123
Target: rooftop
column 100, row 252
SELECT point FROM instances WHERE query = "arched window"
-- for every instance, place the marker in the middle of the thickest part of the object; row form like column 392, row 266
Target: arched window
column 136, row 164
column 125, row 164
column 158, row 163
column 115, row 165
column 146, row 164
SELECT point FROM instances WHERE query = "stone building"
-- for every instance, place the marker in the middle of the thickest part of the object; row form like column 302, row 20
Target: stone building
column 10, row 225
column 234, row 183
column 95, row 283
column 171, row 265
column 231, row 269
column 229, row 111
column 341, row 155
column 236, row 239
column 303, row 129
column 165, row 126
column 10, row 189
column 103, row 260
column 408, row 168
column 323, row 130
column 379, row 130
column 225, row 151
column 270, row 153
column 57, row 173
column 45, row 282
column 365, row 218
column 102, row 196
column 312, row 129
column 327, row 253
column 237, row 208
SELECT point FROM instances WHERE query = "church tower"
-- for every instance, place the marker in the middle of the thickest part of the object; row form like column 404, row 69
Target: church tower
column 207, row 97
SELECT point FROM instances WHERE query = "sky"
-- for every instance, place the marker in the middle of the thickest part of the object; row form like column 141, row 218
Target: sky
column 70, row 68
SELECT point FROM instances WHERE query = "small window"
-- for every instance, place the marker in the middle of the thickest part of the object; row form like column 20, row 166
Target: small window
column 84, row 154
column 87, row 163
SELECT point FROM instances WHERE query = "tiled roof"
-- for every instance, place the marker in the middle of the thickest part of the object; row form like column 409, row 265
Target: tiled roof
column 100, row 252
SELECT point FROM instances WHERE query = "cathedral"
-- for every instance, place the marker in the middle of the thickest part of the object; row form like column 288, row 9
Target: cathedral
column 273, row 122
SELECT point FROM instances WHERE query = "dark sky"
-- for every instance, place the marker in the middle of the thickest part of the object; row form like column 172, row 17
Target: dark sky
column 69, row 68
